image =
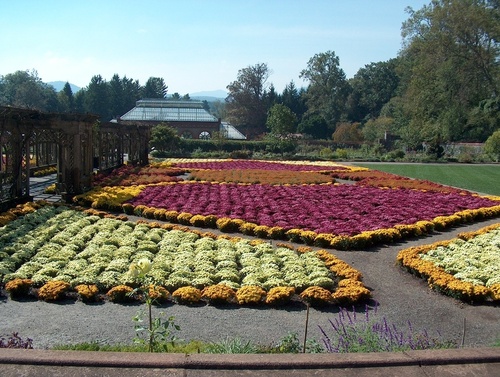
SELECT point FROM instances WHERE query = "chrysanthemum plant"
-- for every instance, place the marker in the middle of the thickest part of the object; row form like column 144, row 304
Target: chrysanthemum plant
column 157, row 334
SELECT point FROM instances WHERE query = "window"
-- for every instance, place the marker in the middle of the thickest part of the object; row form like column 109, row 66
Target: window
column 205, row 135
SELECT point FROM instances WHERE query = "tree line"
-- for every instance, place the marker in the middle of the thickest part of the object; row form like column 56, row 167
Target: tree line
column 442, row 87
column 108, row 99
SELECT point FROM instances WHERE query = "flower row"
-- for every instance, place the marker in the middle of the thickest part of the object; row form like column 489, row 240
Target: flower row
column 467, row 267
column 256, row 176
column 59, row 244
column 215, row 294
column 257, row 164
column 128, row 175
column 382, row 179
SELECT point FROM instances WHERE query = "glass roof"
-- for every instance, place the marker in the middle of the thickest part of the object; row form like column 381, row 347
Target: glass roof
column 163, row 110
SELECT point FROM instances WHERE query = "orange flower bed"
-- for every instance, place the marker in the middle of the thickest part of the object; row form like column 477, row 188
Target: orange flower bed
column 377, row 178
column 256, row 176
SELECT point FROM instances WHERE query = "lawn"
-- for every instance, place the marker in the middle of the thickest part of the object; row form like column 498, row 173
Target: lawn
column 479, row 178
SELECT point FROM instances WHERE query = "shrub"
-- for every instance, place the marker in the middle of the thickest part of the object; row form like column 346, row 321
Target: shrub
column 218, row 294
column 53, row 290
column 87, row 292
column 184, row 217
column 211, row 221
column 226, row 224
column 197, row 220
column 316, row 296
column 350, row 291
column 139, row 209
column 171, row 216
column 149, row 213
column 350, row 333
column 120, row 293
column 248, row 228
column 279, row 295
column 250, row 294
column 128, row 208
column 15, row 341
column 187, row 295
column 158, row 294
column 261, row 231
column 18, row 287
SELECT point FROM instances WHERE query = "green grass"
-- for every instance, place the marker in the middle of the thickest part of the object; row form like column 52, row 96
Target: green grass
column 194, row 346
column 484, row 179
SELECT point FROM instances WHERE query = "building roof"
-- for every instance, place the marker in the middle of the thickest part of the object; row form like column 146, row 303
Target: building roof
column 163, row 110
column 231, row 132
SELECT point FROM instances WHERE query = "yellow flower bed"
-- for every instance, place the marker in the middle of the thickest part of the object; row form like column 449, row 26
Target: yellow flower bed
column 108, row 197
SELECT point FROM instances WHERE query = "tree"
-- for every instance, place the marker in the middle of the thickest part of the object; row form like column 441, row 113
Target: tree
column 375, row 130
column 372, row 87
column 116, row 96
column 294, row 100
column 314, row 126
column 155, row 88
column 219, row 138
column 245, row 104
column 450, row 64
column 25, row 89
column 206, row 105
column 131, row 94
column 348, row 134
column 66, row 99
column 164, row 138
column 281, row 122
column 492, row 146
column 97, row 98
column 219, row 109
column 328, row 88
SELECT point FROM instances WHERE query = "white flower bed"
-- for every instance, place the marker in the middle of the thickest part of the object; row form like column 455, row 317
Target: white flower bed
column 56, row 243
column 476, row 261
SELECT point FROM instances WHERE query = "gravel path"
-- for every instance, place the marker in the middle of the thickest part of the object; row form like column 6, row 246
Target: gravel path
column 401, row 298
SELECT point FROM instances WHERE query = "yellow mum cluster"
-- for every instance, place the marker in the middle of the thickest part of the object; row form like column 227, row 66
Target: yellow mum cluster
column 111, row 198
column 53, row 290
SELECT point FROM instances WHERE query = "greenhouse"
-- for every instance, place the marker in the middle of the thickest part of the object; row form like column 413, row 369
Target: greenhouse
column 189, row 118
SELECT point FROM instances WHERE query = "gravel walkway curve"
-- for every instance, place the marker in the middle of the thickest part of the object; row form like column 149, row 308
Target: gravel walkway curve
column 401, row 297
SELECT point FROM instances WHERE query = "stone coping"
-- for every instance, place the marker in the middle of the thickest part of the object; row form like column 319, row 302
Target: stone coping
column 469, row 356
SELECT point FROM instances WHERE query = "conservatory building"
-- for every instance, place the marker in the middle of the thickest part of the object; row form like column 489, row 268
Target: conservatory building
column 189, row 118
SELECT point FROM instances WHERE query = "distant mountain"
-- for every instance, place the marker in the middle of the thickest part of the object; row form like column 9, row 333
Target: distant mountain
column 209, row 96
column 59, row 85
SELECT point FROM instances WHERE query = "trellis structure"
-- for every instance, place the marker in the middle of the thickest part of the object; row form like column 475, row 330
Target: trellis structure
column 75, row 142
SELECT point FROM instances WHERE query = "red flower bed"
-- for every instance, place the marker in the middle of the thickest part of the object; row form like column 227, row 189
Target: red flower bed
column 342, row 210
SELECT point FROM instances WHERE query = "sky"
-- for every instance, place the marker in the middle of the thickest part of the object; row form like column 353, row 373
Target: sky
column 195, row 45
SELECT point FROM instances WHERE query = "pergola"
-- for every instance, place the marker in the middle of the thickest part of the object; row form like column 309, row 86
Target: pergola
column 77, row 143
